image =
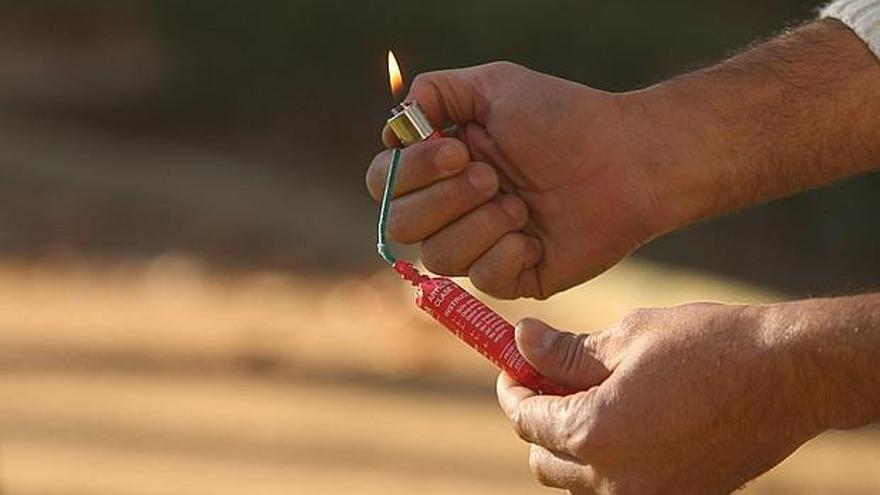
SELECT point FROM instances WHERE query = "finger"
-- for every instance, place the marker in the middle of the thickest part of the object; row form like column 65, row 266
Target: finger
column 559, row 470
column 561, row 424
column 483, row 148
column 456, row 96
column 460, row 96
column 480, row 142
column 452, row 96
column 454, row 248
column 389, row 139
column 421, row 164
column 505, row 270
column 419, row 214
column 564, row 357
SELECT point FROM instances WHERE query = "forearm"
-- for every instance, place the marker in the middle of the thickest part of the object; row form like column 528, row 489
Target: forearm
column 794, row 113
column 830, row 351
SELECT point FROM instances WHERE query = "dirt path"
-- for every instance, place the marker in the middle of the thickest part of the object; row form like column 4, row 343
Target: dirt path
column 161, row 378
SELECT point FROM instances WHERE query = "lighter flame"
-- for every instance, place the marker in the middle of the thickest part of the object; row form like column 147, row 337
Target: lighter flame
column 394, row 76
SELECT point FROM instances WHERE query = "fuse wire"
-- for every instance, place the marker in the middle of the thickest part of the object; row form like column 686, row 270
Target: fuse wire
column 385, row 209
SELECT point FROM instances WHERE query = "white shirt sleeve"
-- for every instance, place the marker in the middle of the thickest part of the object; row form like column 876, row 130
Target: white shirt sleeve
column 862, row 16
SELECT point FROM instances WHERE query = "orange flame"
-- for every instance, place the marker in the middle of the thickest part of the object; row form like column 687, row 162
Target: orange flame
column 394, row 76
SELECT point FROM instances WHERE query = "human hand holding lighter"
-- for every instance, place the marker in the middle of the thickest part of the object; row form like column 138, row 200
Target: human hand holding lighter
column 548, row 183
column 498, row 202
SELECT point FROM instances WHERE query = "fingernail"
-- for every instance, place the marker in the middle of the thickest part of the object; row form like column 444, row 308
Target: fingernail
column 387, row 140
column 448, row 158
column 534, row 334
column 514, row 208
column 483, row 178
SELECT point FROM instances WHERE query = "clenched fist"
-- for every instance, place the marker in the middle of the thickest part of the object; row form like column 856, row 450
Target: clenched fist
column 544, row 183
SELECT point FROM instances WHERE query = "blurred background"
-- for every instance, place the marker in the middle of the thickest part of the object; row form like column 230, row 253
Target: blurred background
column 190, row 302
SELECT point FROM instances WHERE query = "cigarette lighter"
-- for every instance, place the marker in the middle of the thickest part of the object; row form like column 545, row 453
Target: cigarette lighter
column 408, row 122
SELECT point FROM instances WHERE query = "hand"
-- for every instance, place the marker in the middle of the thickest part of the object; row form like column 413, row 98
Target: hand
column 692, row 399
column 546, row 184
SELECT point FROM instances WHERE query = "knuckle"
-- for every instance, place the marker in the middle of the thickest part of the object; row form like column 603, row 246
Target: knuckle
column 594, row 433
column 572, row 354
column 519, row 424
column 537, row 465
column 631, row 485
column 451, row 192
column 694, row 308
column 635, row 315
column 635, row 319
column 578, row 428
column 489, row 219
column 503, row 65
column 449, row 155
column 415, row 155
column 514, row 211
column 423, row 78
column 437, row 259
column 427, row 79
column 481, row 181
column 484, row 280
column 400, row 227
column 432, row 258
column 583, row 441
column 541, row 296
column 573, row 431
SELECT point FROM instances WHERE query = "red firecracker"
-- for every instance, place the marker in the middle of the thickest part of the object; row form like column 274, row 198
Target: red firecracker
column 480, row 327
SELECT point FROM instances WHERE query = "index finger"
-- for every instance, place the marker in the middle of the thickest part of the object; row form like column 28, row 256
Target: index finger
column 556, row 423
column 421, row 165
column 389, row 139
column 453, row 96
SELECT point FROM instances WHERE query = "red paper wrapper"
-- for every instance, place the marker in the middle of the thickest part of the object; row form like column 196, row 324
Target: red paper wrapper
column 477, row 325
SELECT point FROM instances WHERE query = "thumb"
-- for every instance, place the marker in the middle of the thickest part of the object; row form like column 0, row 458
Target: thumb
column 460, row 96
column 447, row 97
column 564, row 357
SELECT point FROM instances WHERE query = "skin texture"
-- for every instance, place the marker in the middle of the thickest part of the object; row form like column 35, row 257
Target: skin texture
column 694, row 399
column 561, row 202
column 546, row 183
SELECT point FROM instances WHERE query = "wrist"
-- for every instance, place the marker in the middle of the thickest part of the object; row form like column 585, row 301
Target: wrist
column 680, row 155
column 745, row 131
column 826, row 349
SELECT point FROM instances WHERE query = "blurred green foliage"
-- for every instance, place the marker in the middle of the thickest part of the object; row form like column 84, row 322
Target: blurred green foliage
column 323, row 61
column 302, row 83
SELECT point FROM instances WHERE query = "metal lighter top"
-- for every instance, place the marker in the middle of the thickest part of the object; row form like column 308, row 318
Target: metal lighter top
column 409, row 123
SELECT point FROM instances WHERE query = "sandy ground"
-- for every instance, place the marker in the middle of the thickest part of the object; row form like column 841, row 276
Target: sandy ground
column 162, row 378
